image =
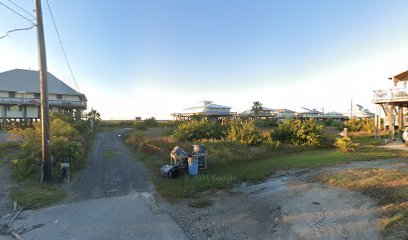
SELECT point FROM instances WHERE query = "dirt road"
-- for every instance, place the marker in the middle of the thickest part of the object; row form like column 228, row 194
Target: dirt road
column 111, row 199
column 111, row 171
column 290, row 205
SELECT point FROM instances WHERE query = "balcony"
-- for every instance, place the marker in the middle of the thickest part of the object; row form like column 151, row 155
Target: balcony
column 36, row 102
column 391, row 95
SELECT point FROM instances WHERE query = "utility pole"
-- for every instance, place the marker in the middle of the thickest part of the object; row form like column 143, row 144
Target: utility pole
column 45, row 118
column 351, row 109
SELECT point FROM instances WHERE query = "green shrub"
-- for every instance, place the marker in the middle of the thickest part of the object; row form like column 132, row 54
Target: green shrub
column 150, row 122
column 298, row 132
column 244, row 132
column 196, row 130
column 339, row 125
column 360, row 125
column 65, row 140
column 344, row 144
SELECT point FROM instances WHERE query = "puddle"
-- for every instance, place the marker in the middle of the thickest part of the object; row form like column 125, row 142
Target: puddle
column 271, row 186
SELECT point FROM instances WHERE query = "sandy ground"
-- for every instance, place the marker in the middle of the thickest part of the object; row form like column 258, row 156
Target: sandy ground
column 290, row 205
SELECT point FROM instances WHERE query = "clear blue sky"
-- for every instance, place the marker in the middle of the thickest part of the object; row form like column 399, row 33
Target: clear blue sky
column 153, row 58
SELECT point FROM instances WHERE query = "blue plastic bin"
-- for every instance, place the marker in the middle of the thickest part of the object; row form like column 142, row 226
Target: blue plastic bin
column 193, row 167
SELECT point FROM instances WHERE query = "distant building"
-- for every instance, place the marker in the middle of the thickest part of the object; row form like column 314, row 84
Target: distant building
column 207, row 109
column 265, row 112
column 270, row 113
column 334, row 115
column 359, row 111
column 20, row 97
column 284, row 113
column 310, row 113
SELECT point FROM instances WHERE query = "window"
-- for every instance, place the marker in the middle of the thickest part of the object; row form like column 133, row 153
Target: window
column 36, row 95
column 20, row 108
column 59, row 96
column 12, row 94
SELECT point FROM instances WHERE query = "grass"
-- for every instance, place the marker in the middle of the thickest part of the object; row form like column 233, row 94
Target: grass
column 231, row 163
column 7, row 148
column 109, row 153
column 35, row 195
column 388, row 187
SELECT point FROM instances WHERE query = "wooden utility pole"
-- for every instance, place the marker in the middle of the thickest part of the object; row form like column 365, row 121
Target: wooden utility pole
column 45, row 118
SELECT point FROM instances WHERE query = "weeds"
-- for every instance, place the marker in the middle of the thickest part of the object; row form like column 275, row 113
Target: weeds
column 388, row 187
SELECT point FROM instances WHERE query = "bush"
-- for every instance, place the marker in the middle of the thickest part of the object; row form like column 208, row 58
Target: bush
column 298, row 132
column 66, row 141
column 344, row 144
column 360, row 125
column 244, row 132
column 196, row 130
column 151, row 122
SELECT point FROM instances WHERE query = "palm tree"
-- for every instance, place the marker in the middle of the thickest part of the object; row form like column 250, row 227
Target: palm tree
column 94, row 118
column 257, row 108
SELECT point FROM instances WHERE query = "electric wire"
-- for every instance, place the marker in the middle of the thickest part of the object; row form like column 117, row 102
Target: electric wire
column 19, row 14
column 62, row 46
column 22, row 9
column 16, row 30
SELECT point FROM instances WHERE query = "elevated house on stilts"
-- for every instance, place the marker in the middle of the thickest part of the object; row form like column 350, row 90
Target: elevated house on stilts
column 393, row 102
column 20, row 98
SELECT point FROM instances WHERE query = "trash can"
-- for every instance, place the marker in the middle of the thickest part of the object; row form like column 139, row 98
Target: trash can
column 65, row 175
column 192, row 166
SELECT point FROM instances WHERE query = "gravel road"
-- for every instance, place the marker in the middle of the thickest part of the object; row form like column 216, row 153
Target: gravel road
column 111, row 171
column 289, row 205
column 111, row 199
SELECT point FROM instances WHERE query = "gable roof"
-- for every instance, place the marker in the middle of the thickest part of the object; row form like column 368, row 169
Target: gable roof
column 207, row 105
column 400, row 77
column 20, row 80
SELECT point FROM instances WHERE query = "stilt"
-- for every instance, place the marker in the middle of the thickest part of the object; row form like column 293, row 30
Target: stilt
column 391, row 122
column 4, row 125
column 25, row 115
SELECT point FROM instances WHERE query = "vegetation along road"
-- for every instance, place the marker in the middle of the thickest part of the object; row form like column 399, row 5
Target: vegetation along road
column 112, row 199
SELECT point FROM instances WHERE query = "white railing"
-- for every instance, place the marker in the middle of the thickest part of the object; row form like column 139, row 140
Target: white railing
column 36, row 102
column 390, row 95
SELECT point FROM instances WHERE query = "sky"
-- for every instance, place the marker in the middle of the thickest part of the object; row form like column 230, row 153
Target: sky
column 144, row 58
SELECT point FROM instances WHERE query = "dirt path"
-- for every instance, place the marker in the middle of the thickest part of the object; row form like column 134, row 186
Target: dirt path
column 112, row 199
column 111, row 171
column 290, row 205
column 6, row 204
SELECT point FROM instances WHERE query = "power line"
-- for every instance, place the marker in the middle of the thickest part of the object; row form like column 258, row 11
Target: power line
column 16, row 30
column 15, row 4
column 62, row 46
column 17, row 13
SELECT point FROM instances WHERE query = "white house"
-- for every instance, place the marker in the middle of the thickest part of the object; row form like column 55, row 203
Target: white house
column 359, row 111
column 208, row 108
column 269, row 112
column 20, row 96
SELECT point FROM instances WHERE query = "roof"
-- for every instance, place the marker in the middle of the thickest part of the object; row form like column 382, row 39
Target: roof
column 207, row 104
column 20, row 80
column 281, row 110
column 400, row 77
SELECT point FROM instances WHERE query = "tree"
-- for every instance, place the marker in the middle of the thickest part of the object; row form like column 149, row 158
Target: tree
column 93, row 118
column 257, row 108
